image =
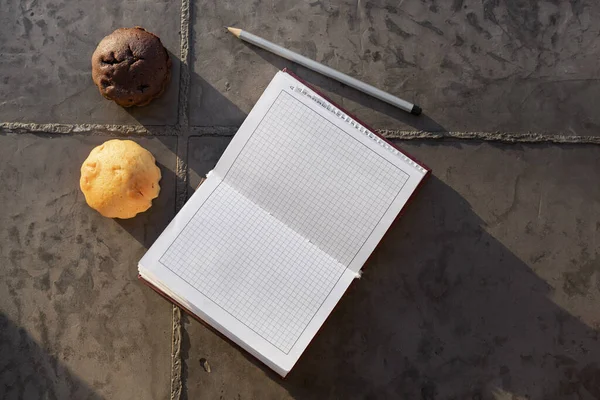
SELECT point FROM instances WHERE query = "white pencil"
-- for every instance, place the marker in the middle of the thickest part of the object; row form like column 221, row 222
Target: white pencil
column 325, row 70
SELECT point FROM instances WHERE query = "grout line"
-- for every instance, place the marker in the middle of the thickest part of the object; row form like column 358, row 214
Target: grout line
column 181, row 185
column 184, row 76
column 180, row 198
column 167, row 130
column 91, row 129
column 213, row 130
column 176, row 354
column 529, row 137
column 181, row 173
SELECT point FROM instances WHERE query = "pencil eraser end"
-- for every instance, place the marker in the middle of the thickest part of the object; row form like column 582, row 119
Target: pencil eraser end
column 416, row 110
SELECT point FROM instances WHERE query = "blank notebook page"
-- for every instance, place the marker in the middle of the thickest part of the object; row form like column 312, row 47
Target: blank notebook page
column 253, row 266
column 285, row 221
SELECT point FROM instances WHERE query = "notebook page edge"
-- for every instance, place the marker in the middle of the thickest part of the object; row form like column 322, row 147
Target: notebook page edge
column 324, row 312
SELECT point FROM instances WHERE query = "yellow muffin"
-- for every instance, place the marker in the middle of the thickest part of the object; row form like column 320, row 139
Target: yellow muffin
column 119, row 179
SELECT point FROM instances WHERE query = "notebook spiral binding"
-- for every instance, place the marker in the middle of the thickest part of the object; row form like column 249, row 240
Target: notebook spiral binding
column 349, row 120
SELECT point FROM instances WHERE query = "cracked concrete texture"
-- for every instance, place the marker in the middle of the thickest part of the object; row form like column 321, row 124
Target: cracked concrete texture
column 74, row 320
column 46, row 52
column 486, row 288
column 473, row 66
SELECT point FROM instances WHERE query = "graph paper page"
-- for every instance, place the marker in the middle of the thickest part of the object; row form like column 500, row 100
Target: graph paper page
column 329, row 179
column 246, row 273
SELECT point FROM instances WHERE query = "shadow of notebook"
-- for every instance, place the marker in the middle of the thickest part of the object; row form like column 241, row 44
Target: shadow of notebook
column 269, row 243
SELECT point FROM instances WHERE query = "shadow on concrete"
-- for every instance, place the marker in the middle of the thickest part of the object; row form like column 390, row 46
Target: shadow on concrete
column 214, row 102
column 28, row 371
column 420, row 123
column 444, row 310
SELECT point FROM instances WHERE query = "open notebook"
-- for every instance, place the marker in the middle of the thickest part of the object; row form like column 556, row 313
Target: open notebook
column 269, row 243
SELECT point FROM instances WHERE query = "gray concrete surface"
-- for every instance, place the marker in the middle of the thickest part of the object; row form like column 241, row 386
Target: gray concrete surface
column 513, row 66
column 487, row 288
column 46, row 49
column 74, row 321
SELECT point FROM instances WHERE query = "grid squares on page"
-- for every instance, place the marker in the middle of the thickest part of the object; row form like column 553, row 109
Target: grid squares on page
column 253, row 266
column 316, row 178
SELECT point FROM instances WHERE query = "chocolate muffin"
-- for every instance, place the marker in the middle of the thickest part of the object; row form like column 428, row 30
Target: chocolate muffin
column 131, row 67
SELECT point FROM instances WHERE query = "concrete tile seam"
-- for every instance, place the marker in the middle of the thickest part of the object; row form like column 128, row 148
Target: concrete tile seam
column 508, row 137
column 181, row 173
column 529, row 137
column 212, row 130
column 181, row 185
column 176, row 354
column 184, row 78
column 90, row 129
column 194, row 131
column 180, row 197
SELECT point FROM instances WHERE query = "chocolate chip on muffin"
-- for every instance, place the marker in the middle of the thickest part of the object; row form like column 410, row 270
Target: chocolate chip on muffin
column 131, row 67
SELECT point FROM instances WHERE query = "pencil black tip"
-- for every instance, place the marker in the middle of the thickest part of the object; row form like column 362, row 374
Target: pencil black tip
column 416, row 110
